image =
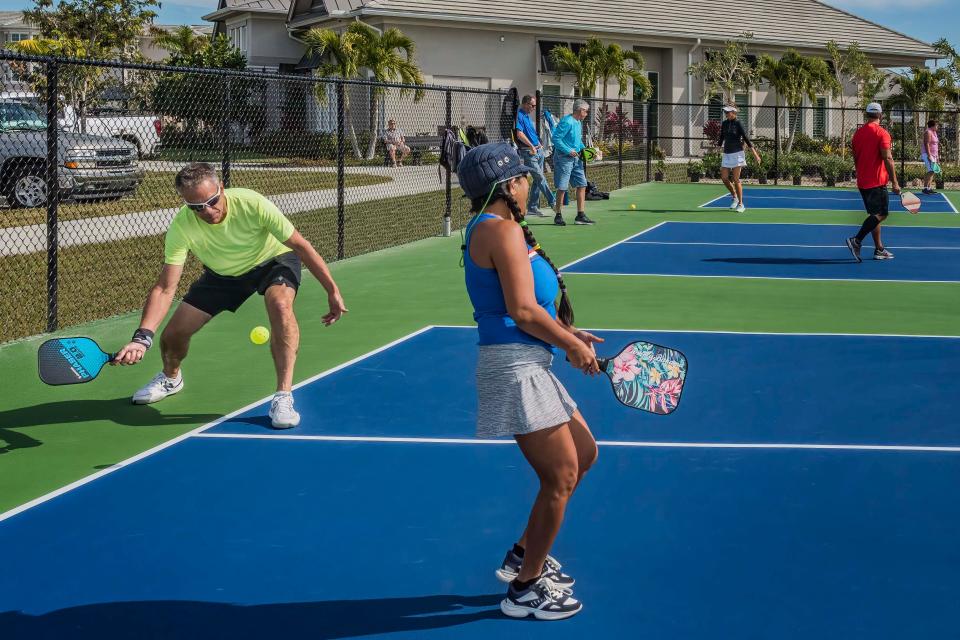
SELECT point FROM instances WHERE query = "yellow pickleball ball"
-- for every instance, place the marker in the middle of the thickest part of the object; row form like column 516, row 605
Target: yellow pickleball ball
column 259, row 335
column 633, row 206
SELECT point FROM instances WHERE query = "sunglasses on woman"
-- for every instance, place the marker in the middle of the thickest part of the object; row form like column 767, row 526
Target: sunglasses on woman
column 210, row 202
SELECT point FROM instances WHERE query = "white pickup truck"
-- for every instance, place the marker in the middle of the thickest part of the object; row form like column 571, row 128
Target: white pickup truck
column 143, row 131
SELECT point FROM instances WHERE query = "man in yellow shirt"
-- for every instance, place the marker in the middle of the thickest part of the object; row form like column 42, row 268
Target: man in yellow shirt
column 246, row 246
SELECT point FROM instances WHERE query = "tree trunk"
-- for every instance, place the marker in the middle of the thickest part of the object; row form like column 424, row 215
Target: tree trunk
column 843, row 128
column 792, row 128
column 603, row 109
column 353, row 132
column 374, row 107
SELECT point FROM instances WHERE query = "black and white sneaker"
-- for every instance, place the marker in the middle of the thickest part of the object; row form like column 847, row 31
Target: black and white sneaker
column 583, row 219
column 510, row 569
column 543, row 599
column 559, row 221
column 882, row 254
column 854, row 245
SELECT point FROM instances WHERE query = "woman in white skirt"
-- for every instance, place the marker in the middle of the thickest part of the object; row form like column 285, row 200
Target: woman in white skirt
column 732, row 139
column 513, row 286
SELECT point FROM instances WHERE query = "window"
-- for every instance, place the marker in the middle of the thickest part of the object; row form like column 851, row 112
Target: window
column 550, row 99
column 820, row 119
column 17, row 37
column 796, row 121
column 546, row 46
column 742, row 100
column 715, row 108
column 238, row 37
column 653, row 110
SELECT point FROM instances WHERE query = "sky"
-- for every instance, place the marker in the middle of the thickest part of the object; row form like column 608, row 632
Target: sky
column 927, row 20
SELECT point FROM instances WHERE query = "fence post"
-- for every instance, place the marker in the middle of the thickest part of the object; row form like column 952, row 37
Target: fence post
column 341, row 146
column 648, row 130
column 620, row 117
column 539, row 112
column 903, row 145
column 53, row 192
column 448, row 206
column 228, row 102
column 776, row 144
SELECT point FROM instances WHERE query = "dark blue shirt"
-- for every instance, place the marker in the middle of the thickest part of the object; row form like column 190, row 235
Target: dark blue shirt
column 525, row 126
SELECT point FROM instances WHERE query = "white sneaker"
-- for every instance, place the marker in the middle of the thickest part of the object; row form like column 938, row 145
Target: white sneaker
column 282, row 414
column 159, row 388
column 543, row 599
column 734, row 204
column 741, row 208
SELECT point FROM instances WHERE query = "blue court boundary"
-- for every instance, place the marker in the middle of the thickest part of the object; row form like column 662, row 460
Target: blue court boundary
column 198, row 432
column 746, row 222
column 810, row 194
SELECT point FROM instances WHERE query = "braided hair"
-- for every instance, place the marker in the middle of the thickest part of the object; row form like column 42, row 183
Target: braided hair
column 564, row 309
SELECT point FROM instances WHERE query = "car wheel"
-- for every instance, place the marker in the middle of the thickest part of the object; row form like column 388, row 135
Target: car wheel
column 27, row 189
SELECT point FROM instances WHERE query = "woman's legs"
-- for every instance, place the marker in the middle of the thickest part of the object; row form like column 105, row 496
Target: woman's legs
column 725, row 176
column 738, row 186
column 560, row 456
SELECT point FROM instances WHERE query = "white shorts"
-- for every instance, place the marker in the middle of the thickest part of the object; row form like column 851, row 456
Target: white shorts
column 734, row 160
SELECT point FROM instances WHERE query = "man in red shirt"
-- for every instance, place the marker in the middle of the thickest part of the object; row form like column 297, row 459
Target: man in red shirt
column 874, row 158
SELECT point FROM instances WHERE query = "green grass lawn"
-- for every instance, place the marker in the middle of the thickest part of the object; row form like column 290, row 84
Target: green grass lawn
column 52, row 436
column 157, row 192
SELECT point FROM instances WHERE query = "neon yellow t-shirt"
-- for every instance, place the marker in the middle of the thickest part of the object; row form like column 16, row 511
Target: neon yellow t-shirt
column 252, row 233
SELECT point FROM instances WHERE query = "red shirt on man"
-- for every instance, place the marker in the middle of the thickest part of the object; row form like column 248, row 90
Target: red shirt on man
column 868, row 142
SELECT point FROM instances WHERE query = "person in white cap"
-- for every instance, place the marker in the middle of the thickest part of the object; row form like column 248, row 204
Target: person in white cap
column 732, row 139
column 875, row 167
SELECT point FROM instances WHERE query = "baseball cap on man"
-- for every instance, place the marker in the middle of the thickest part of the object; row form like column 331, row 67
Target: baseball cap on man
column 874, row 108
column 487, row 165
column 728, row 108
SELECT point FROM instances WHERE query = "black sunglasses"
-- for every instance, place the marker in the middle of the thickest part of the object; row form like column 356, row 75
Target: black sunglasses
column 200, row 206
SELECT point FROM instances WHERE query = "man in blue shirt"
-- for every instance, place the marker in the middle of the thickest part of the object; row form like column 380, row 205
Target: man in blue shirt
column 531, row 153
column 568, row 164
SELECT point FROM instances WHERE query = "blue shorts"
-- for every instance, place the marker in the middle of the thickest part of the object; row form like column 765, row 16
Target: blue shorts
column 568, row 172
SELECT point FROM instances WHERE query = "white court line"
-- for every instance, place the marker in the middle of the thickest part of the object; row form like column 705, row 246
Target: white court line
column 721, row 197
column 636, row 235
column 603, row 443
column 169, row 443
column 736, row 333
column 686, row 275
column 950, row 202
column 886, row 226
column 801, row 246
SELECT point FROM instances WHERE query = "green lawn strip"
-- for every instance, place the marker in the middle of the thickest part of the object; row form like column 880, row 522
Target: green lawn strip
column 157, row 192
column 52, row 436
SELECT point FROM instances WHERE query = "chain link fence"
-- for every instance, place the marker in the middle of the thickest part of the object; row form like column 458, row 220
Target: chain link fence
column 803, row 146
column 89, row 151
column 620, row 129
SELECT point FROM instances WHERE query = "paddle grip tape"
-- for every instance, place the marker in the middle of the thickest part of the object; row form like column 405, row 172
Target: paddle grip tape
column 144, row 337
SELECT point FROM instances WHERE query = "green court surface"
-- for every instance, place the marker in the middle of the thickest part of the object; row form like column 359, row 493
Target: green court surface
column 50, row 437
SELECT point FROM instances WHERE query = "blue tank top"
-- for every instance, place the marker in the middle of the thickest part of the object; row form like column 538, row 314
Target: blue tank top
column 489, row 308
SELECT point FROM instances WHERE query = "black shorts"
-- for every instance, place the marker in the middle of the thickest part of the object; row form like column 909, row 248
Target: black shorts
column 213, row 293
column 876, row 201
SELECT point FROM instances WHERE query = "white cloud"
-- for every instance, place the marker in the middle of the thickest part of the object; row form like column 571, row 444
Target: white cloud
column 884, row 4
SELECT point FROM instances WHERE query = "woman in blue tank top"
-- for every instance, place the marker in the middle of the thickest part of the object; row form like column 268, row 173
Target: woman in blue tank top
column 513, row 286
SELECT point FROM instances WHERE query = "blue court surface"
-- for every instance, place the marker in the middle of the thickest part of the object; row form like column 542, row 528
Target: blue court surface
column 824, row 200
column 794, row 251
column 779, row 501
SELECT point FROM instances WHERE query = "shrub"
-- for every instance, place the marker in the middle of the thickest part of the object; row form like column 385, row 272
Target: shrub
column 711, row 130
column 711, row 165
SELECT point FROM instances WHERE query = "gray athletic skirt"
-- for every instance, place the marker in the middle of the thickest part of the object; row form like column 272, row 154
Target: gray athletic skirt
column 517, row 391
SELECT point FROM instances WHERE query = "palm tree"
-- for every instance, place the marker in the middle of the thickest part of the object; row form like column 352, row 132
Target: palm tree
column 582, row 64
column 388, row 56
column 923, row 91
column 340, row 58
column 182, row 41
column 795, row 77
column 612, row 62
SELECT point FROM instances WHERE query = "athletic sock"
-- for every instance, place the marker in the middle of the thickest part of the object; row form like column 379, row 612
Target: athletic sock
column 522, row 586
column 581, row 213
column 871, row 223
column 518, row 550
